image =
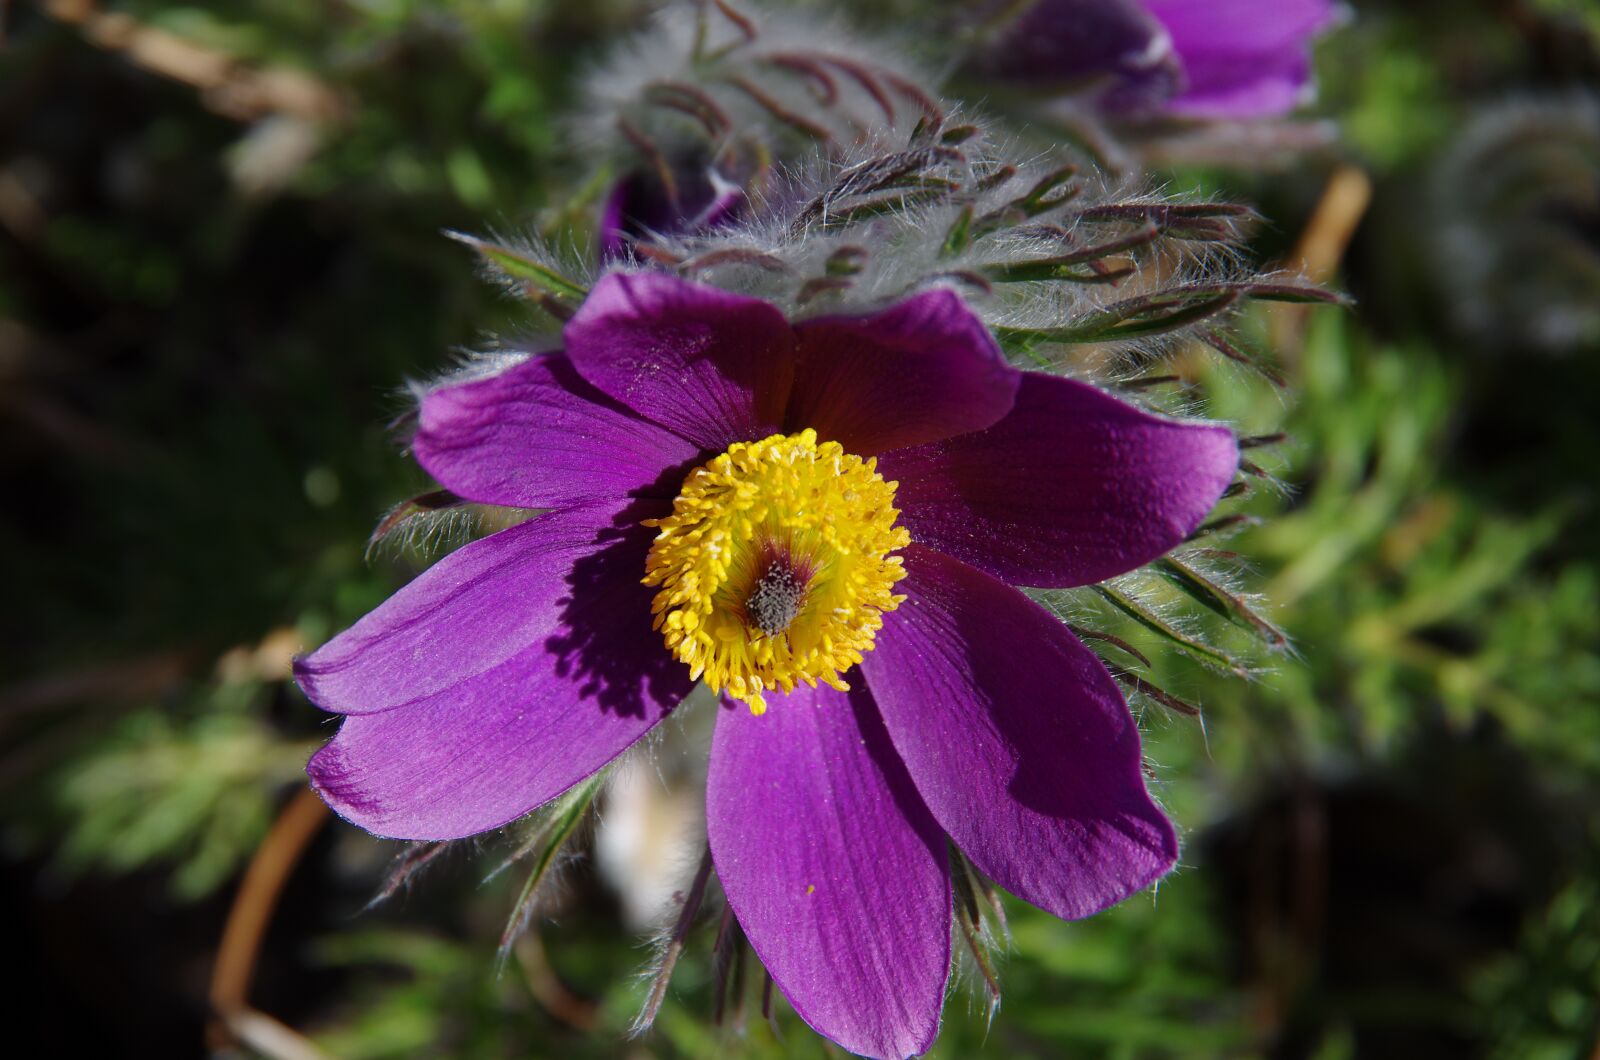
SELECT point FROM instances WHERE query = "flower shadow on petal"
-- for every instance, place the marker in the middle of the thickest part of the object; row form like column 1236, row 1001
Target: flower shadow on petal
column 1052, row 744
column 606, row 644
column 1019, row 741
column 1078, row 765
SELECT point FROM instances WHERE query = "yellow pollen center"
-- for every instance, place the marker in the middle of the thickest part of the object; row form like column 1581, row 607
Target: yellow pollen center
column 775, row 566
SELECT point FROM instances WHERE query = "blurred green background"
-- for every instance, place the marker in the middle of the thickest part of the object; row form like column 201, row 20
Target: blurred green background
column 220, row 261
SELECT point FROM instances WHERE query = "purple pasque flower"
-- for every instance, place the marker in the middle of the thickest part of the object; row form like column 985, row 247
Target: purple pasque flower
column 1216, row 59
column 1242, row 58
column 823, row 518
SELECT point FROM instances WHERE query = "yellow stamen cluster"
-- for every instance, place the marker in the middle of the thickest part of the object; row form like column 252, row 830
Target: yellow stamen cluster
column 775, row 566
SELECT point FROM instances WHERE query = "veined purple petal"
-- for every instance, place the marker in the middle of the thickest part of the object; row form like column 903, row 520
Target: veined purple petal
column 922, row 369
column 457, row 758
column 711, row 366
column 1072, row 487
column 1242, row 58
column 834, row 868
column 538, row 436
column 1018, row 740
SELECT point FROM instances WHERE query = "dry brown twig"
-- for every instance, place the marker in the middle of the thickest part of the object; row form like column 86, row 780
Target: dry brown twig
column 227, row 86
column 252, row 910
column 1321, row 248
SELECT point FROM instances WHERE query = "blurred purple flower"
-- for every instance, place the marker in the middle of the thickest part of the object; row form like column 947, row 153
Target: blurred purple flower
column 676, row 437
column 645, row 203
column 1215, row 59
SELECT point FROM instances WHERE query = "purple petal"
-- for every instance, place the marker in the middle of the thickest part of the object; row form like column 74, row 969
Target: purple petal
column 921, row 370
column 1243, row 58
column 451, row 622
column 834, row 868
column 538, row 436
column 1072, row 487
column 711, row 366
column 726, row 202
column 1017, row 739
column 702, row 200
column 613, row 230
column 1239, row 27
column 590, row 678
column 1073, row 41
column 1228, row 88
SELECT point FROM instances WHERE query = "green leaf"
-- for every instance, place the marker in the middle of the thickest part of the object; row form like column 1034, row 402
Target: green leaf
column 1217, row 599
column 959, row 237
column 561, row 820
column 1190, row 646
column 517, row 266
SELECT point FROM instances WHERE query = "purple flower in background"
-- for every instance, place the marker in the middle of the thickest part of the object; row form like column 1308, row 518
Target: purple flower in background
column 1242, row 58
column 822, row 520
column 1214, row 59
column 682, row 201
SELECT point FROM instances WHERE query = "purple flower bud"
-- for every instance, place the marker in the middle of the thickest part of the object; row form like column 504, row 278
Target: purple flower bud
column 1213, row 59
column 687, row 201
